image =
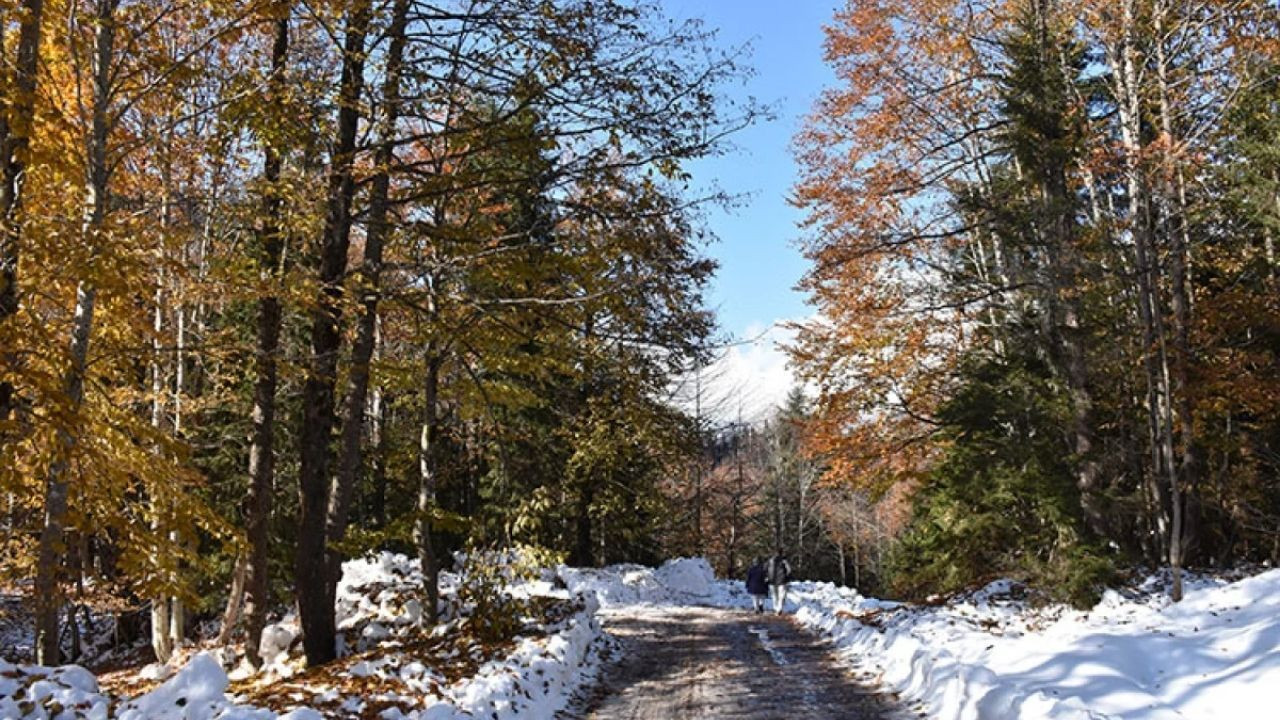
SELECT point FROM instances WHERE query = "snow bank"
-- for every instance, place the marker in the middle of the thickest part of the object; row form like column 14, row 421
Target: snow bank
column 535, row 681
column 679, row 581
column 688, row 577
column 987, row 655
column 378, row 608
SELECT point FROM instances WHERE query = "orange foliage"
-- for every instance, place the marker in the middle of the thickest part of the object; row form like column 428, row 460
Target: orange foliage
column 907, row 120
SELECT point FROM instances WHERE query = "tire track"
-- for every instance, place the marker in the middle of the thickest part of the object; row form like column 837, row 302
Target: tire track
column 701, row 662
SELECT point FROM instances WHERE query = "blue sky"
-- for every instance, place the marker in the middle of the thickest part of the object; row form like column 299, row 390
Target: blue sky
column 759, row 264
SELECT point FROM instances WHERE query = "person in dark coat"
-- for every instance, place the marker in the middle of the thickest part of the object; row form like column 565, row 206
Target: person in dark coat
column 757, row 583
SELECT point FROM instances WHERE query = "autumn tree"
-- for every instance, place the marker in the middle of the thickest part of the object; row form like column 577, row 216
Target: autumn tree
column 16, row 124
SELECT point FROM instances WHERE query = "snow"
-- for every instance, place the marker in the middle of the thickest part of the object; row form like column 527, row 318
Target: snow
column 985, row 655
column 1214, row 656
column 690, row 577
column 38, row 693
column 990, row 655
column 679, row 581
column 196, row 692
column 378, row 611
column 767, row 643
column 538, row 678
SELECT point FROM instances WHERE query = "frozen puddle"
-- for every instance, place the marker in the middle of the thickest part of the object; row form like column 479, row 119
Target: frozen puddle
column 763, row 635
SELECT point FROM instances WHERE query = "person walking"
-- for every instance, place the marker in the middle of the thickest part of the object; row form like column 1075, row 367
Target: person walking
column 778, row 572
column 757, row 583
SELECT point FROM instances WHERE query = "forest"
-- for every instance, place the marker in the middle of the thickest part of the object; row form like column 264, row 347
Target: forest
column 1043, row 241
column 286, row 282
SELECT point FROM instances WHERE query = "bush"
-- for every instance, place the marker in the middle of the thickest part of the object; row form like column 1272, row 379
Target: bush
column 494, row 613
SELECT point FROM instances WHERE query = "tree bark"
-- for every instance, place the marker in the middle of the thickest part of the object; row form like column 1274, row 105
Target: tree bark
column 231, row 615
column 428, row 480
column 160, row 641
column 840, row 559
column 377, row 510
column 1126, row 62
column 350, row 458
column 262, row 448
column 583, row 552
column 1182, row 404
column 314, row 591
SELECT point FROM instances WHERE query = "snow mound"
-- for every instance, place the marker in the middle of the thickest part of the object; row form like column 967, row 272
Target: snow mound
column 537, row 679
column 691, row 577
column 678, row 581
column 196, row 692
column 39, row 693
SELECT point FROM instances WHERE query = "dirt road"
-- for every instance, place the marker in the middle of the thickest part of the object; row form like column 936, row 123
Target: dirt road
column 697, row 662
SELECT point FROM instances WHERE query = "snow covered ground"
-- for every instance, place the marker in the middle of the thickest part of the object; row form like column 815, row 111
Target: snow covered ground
column 987, row 655
column 682, row 581
column 395, row 670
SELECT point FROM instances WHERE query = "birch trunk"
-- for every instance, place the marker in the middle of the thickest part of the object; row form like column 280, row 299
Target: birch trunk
column 428, row 478
column 1184, row 477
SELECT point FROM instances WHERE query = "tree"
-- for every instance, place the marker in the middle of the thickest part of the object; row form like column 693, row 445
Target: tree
column 257, row 588
column 16, row 125
column 315, row 588
column 503, row 240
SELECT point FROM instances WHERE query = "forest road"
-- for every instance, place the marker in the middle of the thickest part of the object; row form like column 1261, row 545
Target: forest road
column 700, row 662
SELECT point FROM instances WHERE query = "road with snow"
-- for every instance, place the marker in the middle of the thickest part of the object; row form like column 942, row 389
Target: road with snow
column 702, row 662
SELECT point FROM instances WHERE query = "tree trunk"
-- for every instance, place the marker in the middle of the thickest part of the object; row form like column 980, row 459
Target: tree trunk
column 1182, row 404
column 160, row 643
column 583, row 553
column 15, row 132
column 377, row 511
column 177, row 622
column 840, row 558
column 177, row 612
column 857, row 562
column 350, row 458
column 428, row 478
column 51, row 546
column 698, row 543
column 801, row 514
column 315, row 592
column 231, row 616
column 1127, row 62
column 262, row 448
